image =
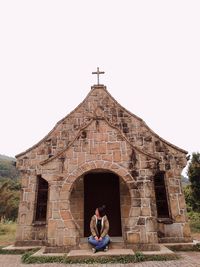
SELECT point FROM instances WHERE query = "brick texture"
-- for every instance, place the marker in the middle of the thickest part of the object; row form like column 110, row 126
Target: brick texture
column 101, row 135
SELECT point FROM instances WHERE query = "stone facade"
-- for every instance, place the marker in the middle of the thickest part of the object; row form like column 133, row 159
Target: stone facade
column 100, row 135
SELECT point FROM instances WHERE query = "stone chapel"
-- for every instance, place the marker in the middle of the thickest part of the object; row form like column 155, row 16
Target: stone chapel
column 102, row 154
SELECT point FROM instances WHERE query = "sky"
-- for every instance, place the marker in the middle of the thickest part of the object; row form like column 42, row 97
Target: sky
column 149, row 50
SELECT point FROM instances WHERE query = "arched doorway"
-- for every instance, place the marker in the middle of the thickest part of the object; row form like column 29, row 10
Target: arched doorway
column 102, row 188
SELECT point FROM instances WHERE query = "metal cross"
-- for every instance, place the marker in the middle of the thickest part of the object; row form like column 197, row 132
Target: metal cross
column 98, row 73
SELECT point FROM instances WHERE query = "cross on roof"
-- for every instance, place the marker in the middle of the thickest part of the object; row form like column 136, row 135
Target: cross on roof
column 98, row 73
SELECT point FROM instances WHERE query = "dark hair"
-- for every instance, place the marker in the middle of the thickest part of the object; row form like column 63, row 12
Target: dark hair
column 102, row 210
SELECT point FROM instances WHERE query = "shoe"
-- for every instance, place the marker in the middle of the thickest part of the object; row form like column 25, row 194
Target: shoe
column 105, row 249
column 94, row 250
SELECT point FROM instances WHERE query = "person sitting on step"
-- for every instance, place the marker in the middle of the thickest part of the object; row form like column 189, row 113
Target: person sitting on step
column 99, row 227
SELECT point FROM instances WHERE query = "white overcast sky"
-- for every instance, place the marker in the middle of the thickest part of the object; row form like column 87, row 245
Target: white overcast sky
column 150, row 51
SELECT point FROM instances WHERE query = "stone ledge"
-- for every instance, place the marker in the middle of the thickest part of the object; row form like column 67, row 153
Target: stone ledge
column 165, row 220
column 182, row 246
column 30, row 243
column 24, row 248
column 183, row 240
column 144, row 247
column 39, row 223
column 83, row 254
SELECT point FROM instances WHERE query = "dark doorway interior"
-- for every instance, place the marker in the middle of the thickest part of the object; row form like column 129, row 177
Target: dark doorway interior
column 102, row 188
column 42, row 198
column 161, row 195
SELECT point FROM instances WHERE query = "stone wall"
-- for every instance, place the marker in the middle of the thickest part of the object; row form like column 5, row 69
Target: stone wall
column 103, row 148
column 29, row 232
column 100, row 134
column 177, row 229
column 125, row 203
column 77, row 205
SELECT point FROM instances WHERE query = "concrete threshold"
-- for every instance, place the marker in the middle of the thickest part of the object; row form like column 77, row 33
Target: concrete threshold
column 88, row 253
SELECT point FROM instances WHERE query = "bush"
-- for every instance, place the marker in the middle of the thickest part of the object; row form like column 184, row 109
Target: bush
column 139, row 256
column 194, row 219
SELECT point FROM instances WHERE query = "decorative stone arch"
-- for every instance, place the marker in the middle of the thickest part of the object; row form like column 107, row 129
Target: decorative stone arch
column 99, row 164
column 124, row 176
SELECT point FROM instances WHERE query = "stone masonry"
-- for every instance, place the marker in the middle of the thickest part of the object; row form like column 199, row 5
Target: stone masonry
column 101, row 135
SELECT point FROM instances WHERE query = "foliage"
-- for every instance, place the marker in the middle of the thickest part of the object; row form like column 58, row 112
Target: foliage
column 9, row 189
column 18, row 251
column 4, row 157
column 9, row 201
column 194, row 218
column 197, row 247
column 7, row 233
column 139, row 256
column 8, row 169
column 193, row 191
column 188, row 197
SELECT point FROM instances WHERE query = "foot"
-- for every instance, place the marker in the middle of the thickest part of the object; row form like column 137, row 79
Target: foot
column 105, row 249
column 94, row 250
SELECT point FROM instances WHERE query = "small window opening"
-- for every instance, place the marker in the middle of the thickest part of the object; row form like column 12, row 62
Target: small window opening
column 161, row 195
column 42, row 198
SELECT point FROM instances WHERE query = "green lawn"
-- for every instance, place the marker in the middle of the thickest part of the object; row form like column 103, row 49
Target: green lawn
column 7, row 233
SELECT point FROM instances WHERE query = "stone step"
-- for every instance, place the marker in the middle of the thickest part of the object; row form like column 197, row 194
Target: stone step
column 21, row 248
column 85, row 253
column 115, row 243
column 182, row 246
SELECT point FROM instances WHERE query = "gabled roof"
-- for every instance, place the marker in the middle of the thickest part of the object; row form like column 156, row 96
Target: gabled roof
column 102, row 87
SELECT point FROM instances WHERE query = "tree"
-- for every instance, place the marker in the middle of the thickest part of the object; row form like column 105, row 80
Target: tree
column 188, row 197
column 194, row 177
column 8, row 169
column 9, row 200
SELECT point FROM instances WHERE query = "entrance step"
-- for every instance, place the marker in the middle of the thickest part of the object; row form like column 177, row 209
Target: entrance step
column 115, row 243
column 85, row 253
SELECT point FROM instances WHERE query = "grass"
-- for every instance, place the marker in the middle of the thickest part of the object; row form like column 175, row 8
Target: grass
column 7, row 233
column 194, row 221
column 138, row 257
column 13, row 251
column 194, row 218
